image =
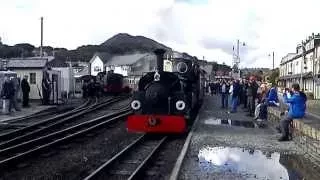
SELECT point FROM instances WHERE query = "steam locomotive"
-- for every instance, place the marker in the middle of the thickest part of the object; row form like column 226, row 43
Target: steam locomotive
column 113, row 83
column 165, row 101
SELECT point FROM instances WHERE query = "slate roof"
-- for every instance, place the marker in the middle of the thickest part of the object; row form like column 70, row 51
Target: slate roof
column 26, row 63
column 125, row 59
column 57, row 63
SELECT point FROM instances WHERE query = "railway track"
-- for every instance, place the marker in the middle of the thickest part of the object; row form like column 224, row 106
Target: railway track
column 51, row 125
column 132, row 161
column 43, row 123
column 18, row 152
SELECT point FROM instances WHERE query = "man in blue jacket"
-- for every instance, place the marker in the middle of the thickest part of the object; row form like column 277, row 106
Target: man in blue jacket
column 297, row 108
column 235, row 96
column 272, row 96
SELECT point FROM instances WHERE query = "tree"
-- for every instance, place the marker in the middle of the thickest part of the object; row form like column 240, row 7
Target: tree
column 25, row 46
column 274, row 77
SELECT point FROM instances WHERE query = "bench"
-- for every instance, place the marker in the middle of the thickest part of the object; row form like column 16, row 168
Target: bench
column 305, row 131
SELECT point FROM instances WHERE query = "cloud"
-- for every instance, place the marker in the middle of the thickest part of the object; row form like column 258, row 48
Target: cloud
column 202, row 28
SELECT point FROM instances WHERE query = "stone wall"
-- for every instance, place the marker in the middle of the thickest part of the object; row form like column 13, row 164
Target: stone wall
column 306, row 133
column 313, row 104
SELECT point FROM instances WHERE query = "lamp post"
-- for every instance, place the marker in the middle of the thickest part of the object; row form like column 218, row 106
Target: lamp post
column 236, row 58
column 272, row 59
column 302, row 64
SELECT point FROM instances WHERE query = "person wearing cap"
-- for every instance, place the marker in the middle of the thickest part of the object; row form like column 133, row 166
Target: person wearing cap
column 297, row 107
column 25, row 91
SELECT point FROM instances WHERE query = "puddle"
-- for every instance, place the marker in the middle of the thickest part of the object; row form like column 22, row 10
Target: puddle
column 229, row 122
column 254, row 164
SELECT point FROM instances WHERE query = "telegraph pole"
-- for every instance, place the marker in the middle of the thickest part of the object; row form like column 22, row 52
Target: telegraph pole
column 41, row 44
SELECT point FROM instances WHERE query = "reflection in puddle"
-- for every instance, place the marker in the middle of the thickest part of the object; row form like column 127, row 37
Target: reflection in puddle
column 216, row 121
column 252, row 164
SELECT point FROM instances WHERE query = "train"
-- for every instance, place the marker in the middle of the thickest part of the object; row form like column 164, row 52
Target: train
column 165, row 101
column 105, row 83
column 114, row 83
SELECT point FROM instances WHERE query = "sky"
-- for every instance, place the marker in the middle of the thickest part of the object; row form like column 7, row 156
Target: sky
column 208, row 28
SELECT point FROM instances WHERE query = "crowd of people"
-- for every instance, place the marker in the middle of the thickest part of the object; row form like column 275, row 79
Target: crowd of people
column 11, row 89
column 255, row 96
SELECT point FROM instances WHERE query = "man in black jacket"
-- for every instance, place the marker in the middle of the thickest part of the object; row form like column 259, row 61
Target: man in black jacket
column 25, row 91
column 253, row 89
column 7, row 93
column 244, row 93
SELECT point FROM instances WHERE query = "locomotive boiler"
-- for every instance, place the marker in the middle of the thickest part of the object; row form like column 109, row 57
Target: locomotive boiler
column 165, row 101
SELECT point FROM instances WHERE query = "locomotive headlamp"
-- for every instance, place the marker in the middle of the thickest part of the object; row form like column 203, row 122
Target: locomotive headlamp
column 135, row 104
column 182, row 67
column 180, row 105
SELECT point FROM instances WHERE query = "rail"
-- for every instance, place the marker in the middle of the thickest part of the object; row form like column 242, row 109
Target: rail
column 18, row 152
column 145, row 146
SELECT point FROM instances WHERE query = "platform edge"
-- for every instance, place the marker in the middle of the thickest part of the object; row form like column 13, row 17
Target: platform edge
column 175, row 172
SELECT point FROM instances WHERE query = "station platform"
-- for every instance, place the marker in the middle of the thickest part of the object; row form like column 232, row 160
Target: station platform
column 232, row 146
column 35, row 107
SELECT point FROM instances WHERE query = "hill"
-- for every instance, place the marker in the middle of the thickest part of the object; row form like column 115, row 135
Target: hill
column 123, row 43
column 119, row 44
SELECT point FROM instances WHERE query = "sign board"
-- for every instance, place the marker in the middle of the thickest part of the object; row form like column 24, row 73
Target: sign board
column 167, row 66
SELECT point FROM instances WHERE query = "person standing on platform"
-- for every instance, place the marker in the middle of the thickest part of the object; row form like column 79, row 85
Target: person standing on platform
column 224, row 94
column 46, row 89
column 16, row 87
column 235, row 96
column 252, row 96
column 25, row 91
column 244, row 93
column 7, row 93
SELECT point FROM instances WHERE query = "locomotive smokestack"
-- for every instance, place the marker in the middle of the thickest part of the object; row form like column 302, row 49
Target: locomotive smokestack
column 159, row 53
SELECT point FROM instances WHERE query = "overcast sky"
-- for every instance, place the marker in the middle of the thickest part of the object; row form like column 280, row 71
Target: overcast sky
column 199, row 27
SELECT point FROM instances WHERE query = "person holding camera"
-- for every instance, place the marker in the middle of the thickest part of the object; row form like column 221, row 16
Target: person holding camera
column 297, row 107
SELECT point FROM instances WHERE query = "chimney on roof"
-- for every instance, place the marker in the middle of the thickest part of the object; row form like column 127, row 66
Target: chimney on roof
column 312, row 35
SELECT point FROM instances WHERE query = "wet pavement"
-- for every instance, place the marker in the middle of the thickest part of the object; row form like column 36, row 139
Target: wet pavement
column 34, row 108
column 232, row 146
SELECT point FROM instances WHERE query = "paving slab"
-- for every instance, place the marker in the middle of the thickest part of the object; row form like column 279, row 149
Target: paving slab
column 35, row 107
column 232, row 146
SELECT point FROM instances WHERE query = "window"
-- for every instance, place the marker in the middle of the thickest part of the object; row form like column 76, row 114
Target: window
column 33, row 78
column 97, row 69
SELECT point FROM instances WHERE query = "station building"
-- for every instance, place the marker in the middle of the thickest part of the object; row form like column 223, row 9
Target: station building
column 303, row 67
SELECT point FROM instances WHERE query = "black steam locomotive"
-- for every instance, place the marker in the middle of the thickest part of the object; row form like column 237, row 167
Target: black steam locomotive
column 165, row 101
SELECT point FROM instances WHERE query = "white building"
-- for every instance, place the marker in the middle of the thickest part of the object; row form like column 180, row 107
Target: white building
column 123, row 64
column 132, row 66
column 33, row 68
column 67, row 75
column 97, row 62
column 303, row 68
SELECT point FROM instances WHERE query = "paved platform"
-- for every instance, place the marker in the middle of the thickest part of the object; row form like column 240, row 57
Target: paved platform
column 35, row 107
column 231, row 146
